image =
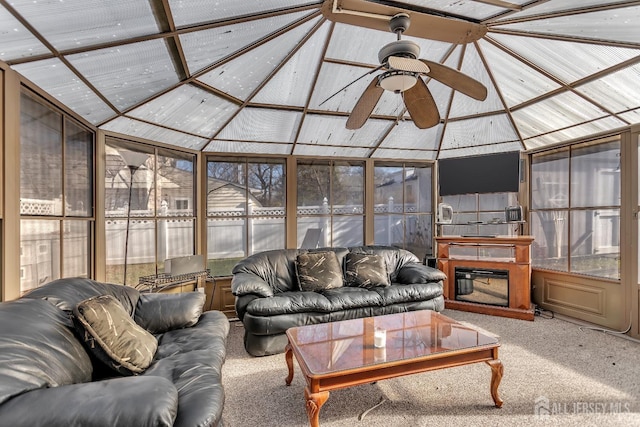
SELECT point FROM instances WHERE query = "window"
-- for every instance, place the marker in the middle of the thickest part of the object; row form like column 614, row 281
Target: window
column 181, row 204
column 330, row 203
column 575, row 209
column 403, row 207
column 245, row 209
column 56, row 195
column 142, row 185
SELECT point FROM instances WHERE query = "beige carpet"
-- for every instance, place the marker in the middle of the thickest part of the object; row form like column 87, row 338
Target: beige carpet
column 574, row 376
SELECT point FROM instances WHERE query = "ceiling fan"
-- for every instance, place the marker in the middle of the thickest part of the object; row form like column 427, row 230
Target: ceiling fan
column 402, row 74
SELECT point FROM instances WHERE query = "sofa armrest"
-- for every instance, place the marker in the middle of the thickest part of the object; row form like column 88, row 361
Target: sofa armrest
column 160, row 313
column 415, row 272
column 129, row 401
column 247, row 284
column 242, row 304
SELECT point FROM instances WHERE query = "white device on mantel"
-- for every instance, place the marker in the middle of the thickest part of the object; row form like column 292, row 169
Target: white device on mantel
column 445, row 213
column 513, row 213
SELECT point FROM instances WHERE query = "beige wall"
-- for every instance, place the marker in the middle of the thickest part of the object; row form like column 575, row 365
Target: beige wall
column 591, row 300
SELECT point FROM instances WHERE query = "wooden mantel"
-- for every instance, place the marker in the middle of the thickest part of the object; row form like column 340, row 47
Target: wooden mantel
column 518, row 265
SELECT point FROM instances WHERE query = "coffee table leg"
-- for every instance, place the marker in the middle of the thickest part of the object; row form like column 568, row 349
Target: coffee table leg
column 288, row 356
column 314, row 403
column 496, row 376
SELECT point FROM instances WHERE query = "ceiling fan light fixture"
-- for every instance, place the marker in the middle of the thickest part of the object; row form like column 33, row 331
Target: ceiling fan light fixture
column 397, row 81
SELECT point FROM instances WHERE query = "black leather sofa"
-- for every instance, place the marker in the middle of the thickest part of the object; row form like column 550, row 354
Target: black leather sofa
column 269, row 299
column 49, row 377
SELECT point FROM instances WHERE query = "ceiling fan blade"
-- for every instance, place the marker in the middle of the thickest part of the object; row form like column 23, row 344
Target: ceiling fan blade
column 365, row 105
column 421, row 106
column 407, row 64
column 456, row 80
column 349, row 84
column 365, row 13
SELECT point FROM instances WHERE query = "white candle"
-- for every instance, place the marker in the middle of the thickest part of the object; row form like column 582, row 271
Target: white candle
column 379, row 338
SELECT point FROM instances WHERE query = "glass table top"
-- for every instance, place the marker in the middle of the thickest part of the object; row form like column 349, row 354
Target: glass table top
column 346, row 345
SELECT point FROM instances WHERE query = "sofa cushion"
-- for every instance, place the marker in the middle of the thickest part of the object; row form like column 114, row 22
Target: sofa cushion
column 327, row 301
column 365, row 270
column 318, row 271
column 418, row 273
column 289, row 302
column 112, row 335
column 38, row 349
column 199, row 385
column 209, row 334
column 124, row 401
column 353, row 297
column 399, row 294
column 158, row 313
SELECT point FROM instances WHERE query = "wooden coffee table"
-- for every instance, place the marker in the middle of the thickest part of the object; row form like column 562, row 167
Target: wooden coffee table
column 342, row 354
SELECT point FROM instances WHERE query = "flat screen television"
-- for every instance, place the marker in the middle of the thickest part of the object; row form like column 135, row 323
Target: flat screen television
column 490, row 173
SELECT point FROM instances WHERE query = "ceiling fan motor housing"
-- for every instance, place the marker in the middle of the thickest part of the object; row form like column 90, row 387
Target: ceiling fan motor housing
column 402, row 48
column 399, row 23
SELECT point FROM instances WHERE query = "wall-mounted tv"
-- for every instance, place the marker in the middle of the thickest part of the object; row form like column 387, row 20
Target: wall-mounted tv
column 490, row 173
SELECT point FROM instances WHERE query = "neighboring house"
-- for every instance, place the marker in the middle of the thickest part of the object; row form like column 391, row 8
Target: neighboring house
column 393, row 189
column 174, row 188
column 227, row 198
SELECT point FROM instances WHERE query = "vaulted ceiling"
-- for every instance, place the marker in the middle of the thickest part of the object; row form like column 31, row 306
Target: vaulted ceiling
column 249, row 77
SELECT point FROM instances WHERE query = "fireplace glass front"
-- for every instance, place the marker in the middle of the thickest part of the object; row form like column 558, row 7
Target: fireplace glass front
column 482, row 286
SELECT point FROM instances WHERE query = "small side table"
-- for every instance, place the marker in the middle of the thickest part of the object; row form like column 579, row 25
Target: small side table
column 164, row 282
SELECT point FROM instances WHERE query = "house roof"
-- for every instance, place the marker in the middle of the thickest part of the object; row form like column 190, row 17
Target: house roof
column 250, row 77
